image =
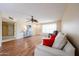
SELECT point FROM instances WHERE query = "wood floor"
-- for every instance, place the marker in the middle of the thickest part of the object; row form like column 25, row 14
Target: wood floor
column 20, row 47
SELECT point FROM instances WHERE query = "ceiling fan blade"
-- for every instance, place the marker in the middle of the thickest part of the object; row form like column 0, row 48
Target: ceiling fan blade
column 10, row 17
column 35, row 20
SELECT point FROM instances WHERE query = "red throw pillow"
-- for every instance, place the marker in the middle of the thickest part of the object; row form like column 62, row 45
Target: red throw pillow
column 52, row 39
column 49, row 42
column 46, row 42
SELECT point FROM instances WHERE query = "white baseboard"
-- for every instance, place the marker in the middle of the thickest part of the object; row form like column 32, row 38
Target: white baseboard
column 6, row 40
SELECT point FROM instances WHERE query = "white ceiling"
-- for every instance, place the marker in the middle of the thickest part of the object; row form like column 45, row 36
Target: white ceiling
column 41, row 11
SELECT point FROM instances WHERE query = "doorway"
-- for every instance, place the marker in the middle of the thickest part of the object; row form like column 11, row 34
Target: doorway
column 8, row 31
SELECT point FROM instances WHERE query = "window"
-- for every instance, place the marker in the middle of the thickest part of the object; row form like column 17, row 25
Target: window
column 49, row 28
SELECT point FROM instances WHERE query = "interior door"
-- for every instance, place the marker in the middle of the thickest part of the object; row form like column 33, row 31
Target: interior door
column 4, row 29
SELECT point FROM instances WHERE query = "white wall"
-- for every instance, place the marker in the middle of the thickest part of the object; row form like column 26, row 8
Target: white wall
column 70, row 23
column 37, row 29
column 59, row 25
column 19, row 27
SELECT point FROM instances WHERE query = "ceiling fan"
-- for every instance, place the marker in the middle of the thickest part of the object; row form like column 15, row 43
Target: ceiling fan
column 32, row 20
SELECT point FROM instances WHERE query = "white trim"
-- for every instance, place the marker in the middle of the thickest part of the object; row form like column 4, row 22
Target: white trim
column 6, row 40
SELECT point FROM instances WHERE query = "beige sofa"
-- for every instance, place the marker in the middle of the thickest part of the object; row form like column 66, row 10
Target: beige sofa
column 60, row 47
column 42, row 50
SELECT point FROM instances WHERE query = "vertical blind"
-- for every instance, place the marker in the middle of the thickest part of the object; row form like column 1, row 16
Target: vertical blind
column 49, row 28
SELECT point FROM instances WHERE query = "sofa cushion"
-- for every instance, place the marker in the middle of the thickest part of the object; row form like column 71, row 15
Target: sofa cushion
column 60, row 41
column 69, row 48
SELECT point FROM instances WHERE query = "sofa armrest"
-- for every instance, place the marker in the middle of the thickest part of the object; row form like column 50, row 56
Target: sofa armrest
column 50, row 51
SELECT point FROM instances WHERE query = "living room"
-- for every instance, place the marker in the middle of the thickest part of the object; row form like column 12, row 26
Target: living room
column 35, row 22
